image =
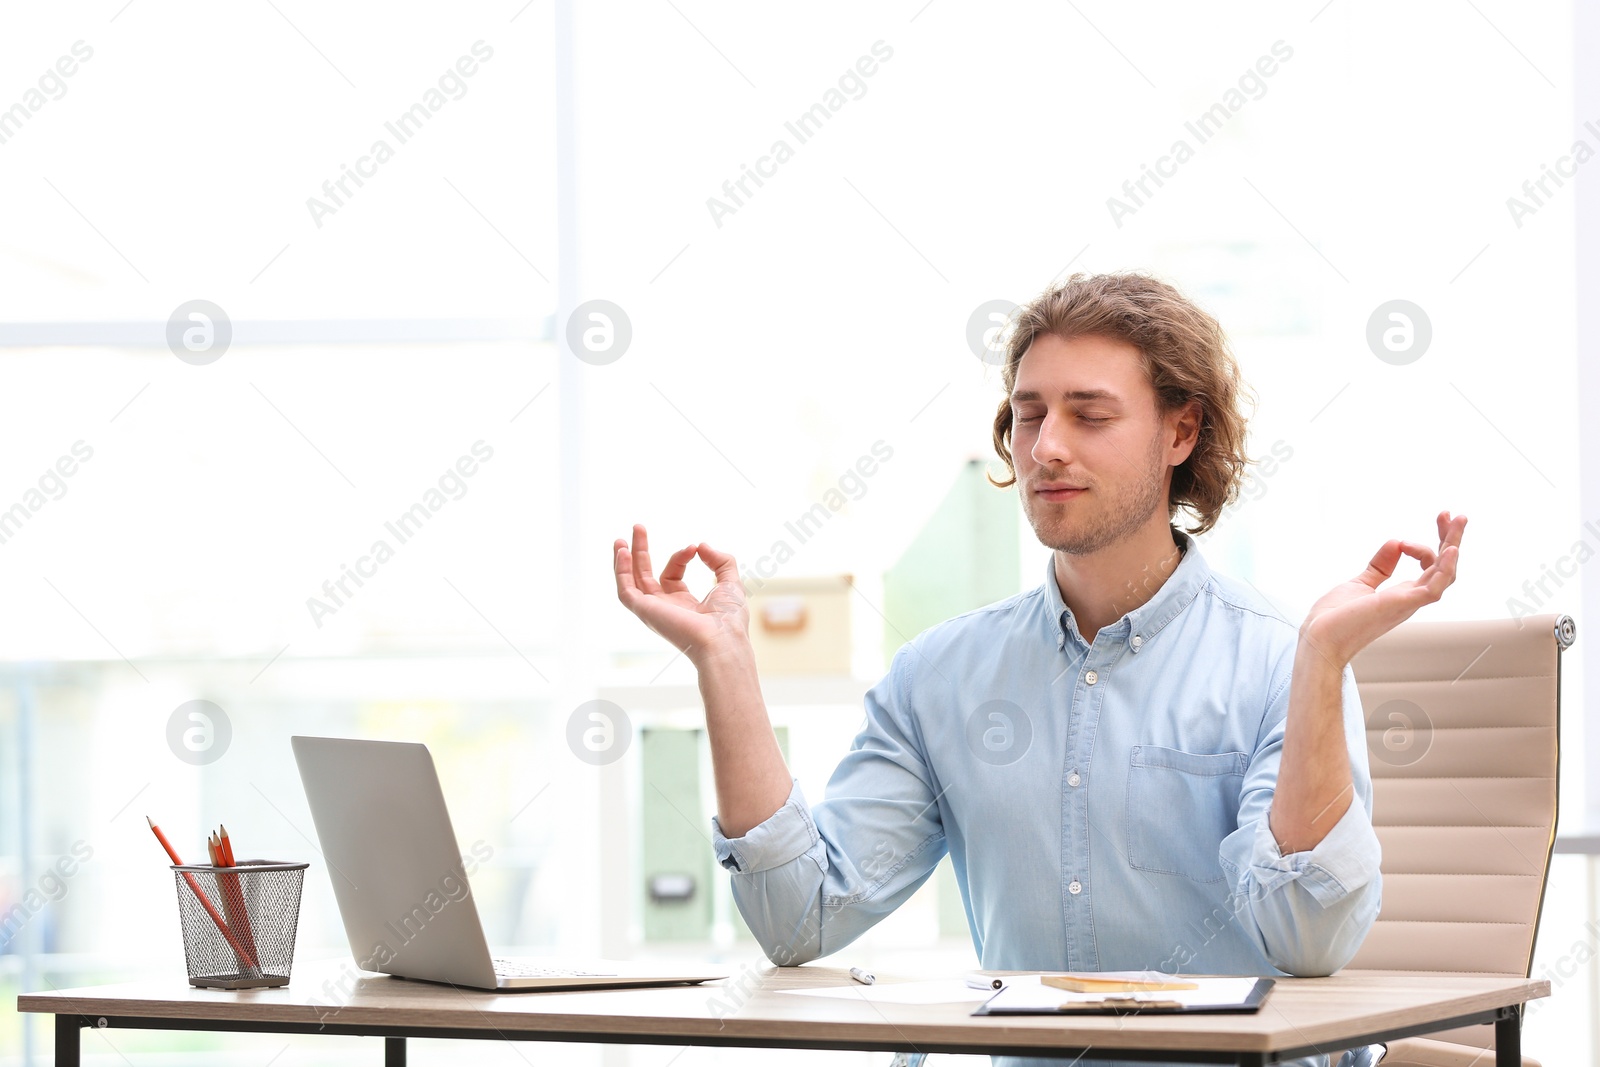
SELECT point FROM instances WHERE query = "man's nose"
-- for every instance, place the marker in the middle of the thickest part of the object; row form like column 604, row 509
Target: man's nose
column 1052, row 446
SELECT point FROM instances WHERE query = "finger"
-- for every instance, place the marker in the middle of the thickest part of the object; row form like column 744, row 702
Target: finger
column 1387, row 558
column 1450, row 542
column 1445, row 574
column 1451, row 528
column 677, row 565
column 722, row 563
column 641, row 562
column 1422, row 553
column 624, row 568
column 1431, row 587
column 1431, row 584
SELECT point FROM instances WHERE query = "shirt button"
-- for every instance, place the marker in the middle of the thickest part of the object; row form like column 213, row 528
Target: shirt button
column 1092, row 677
column 1137, row 641
column 1074, row 887
column 1073, row 779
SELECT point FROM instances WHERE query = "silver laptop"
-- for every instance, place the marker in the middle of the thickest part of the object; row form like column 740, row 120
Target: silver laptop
column 400, row 880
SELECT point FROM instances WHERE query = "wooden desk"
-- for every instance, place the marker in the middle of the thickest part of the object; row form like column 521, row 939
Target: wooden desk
column 1301, row 1017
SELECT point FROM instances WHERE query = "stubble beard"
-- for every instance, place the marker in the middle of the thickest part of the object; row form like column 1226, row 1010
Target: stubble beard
column 1064, row 527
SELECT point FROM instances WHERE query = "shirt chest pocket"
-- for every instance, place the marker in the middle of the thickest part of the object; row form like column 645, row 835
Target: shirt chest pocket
column 1180, row 807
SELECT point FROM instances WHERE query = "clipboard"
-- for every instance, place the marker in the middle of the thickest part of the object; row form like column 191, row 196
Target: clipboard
column 1216, row 995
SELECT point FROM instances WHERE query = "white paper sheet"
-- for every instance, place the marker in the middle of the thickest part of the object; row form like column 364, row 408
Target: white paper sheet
column 943, row 991
column 1036, row 996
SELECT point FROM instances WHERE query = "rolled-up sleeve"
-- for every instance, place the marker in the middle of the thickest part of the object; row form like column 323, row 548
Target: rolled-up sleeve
column 810, row 879
column 1309, row 911
column 787, row 835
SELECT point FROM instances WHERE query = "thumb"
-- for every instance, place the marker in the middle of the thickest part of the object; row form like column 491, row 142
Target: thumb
column 1382, row 564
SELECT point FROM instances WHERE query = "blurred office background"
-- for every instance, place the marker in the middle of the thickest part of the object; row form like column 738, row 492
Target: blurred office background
column 809, row 346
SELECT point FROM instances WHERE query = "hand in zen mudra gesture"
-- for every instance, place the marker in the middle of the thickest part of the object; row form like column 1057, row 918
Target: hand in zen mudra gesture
column 1315, row 785
column 714, row 633
column 1355, row 613
column 696, row 627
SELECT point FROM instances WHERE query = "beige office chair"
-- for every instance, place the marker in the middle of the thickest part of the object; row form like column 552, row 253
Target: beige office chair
column 1463, row 742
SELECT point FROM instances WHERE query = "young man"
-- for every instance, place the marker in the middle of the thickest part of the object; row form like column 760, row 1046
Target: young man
column 1137, row 764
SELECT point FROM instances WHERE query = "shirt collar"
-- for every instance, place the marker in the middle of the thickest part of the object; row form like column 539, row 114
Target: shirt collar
column 1141, row 624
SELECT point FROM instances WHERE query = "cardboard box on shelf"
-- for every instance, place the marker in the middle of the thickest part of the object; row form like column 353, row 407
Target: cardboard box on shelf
column 802, row 625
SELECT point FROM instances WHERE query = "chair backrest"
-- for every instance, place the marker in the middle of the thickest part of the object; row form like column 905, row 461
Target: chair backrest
column 1463, row 741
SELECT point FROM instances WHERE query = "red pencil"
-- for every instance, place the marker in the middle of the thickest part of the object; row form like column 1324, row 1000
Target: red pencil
column 232, row 891
column 245, row 956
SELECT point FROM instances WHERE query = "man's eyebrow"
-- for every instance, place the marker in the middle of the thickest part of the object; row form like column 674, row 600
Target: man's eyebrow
column 1074, row 394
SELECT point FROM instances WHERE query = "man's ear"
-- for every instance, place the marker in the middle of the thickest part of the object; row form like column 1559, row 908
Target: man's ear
column 1184, row 427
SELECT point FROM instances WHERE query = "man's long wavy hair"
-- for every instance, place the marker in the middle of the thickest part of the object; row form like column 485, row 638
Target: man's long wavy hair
column 1185, row 355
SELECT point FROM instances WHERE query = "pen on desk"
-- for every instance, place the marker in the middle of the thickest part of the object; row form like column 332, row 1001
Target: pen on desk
column 984, row 981
column 864, row 977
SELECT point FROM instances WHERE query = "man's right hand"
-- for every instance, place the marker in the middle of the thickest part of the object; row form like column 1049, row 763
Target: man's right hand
column 752, row 781
column 700, row 629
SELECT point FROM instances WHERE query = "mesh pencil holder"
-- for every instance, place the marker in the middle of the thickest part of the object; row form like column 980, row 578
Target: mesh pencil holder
column 239, row 922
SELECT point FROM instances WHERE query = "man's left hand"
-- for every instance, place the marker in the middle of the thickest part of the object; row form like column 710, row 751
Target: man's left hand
column 1355, row 613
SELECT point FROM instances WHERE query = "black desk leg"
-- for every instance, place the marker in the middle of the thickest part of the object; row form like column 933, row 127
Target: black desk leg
column 69, row 1034
column 394, row 1052
column 1508, row 1039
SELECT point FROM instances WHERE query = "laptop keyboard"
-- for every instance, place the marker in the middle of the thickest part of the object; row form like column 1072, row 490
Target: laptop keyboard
column 513, row 969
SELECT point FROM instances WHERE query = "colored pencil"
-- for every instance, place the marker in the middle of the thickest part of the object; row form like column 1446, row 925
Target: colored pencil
column 246, row 957
column 232, row 890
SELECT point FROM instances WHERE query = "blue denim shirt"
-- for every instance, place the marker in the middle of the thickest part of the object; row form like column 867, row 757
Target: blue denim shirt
column 1104, row 805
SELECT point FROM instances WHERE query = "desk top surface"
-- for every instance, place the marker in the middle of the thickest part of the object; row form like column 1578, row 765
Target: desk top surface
column 750, row 1007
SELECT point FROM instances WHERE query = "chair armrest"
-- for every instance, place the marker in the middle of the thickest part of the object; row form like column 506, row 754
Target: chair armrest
column 1427, row 1052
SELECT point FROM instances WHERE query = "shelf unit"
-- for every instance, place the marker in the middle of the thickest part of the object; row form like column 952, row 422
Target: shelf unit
column 821, row 713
